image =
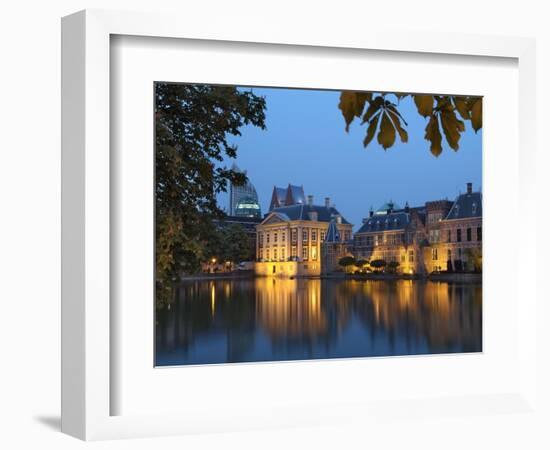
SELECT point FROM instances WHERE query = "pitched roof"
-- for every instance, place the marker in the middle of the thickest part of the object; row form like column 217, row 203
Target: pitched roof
column 397, row 220
column 280, row 193
column 333, row 235
column 302, row 212
column 465, row 206
column 388, row 205
column 295, row 195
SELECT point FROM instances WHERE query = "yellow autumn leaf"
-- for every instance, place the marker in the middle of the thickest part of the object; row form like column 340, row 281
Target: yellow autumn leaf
column 424, row 104
column 371, row 130
column 403, row 135
column 452, row 127
column 386, row 134
column 477, row 114
column 434, row 135
column 462, row 107
column 352, row 104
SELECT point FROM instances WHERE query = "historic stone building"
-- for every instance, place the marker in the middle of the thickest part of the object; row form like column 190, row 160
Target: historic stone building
column 440, row 235
column 459, row 246
column 289, row 239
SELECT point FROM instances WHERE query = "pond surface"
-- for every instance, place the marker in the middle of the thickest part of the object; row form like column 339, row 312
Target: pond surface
column 269, row 319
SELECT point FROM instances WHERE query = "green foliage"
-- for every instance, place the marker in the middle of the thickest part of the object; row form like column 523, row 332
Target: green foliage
column 443, row 112
column 361, row 263
column 192, row 126
column 474, row 258
column 392, row 266
column 346, row 261
column 378, row 264
column 231, row 245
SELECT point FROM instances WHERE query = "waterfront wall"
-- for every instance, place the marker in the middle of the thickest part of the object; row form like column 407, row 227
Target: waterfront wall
column 287, row 269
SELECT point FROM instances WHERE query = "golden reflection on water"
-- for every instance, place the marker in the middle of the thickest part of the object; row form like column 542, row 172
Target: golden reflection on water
column 276, row 319
column 283, row 309
column 440, row 312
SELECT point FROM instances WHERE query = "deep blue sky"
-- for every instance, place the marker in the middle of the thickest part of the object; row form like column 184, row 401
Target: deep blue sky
column 306, row 144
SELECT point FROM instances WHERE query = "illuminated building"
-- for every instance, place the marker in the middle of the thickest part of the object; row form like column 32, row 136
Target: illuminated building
column 243, row 200
column 440, row 235
column 290, row 238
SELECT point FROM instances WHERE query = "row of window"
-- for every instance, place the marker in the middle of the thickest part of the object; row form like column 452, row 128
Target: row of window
column 388, row 256
column 435, row 254
column 275, row 235
column 280, row 254
column 469, row 235
column 433, row 237
column 306, row 235
column 380, row 239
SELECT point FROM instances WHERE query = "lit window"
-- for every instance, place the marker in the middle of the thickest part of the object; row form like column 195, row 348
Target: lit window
column 304, row 235
column 434, row 254
column 275, row 254
column 313, row 235
column 411, row 256
column 267, row 254
column 314, row 253
column 305, row 253
column 282, row 254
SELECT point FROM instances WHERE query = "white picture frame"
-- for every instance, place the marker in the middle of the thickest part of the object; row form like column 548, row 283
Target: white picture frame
column 87, row 386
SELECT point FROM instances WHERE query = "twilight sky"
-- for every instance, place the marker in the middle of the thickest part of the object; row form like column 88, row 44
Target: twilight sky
column 306, row 144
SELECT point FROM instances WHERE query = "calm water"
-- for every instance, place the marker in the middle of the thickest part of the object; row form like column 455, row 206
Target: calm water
column 265, row 319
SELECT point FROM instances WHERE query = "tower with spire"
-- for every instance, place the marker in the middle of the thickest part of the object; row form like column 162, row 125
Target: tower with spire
column 333, row 248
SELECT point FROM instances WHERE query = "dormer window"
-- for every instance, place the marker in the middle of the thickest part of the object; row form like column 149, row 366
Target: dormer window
column 474, row 208
column 456, row 210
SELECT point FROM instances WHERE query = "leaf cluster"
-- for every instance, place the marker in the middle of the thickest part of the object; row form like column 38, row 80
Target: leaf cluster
column 445, row 116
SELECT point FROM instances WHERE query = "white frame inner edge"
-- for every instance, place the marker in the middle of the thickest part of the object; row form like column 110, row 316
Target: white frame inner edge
column 86, row 199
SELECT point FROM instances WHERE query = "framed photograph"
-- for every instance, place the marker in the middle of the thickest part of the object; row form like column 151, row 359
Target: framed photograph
column 268, row 230
column 261, row 272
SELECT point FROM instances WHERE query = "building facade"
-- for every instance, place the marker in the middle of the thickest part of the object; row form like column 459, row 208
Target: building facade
column 290, row 238
column 438, row 236
column 243, row 200
column 460, row 240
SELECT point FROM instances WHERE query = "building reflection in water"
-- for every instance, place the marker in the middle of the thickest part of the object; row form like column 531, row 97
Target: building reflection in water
column 262, row 319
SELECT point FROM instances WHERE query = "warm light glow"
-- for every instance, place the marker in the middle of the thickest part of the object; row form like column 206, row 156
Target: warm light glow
column 213, row 260
column 212, row 299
